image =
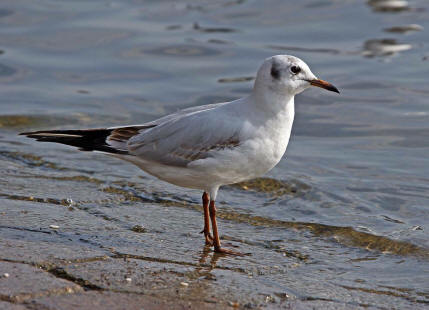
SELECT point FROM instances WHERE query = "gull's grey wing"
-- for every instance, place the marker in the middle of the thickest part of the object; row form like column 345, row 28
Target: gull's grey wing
column 113, row 140
column 118, row 137
column 188, row 137
column 186, row 112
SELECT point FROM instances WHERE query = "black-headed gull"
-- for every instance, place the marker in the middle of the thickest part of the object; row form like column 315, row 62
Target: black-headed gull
column 209, row 146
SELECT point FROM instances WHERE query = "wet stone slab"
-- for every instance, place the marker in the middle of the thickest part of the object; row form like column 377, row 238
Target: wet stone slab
column 20, row 282
column 118, row 301
column 4, row 305
column 96, row 247
column 151, row 276
column 325, row 305
column 44, row 252
column 30, row 232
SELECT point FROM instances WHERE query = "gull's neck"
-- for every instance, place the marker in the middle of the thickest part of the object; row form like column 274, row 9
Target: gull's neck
column 271, row 114
column 271, row 103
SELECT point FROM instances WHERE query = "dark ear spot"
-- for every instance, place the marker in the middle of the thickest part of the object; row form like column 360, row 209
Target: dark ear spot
column 275, row 71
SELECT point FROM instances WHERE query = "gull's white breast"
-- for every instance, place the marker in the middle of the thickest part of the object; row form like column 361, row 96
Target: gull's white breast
column 261, row 140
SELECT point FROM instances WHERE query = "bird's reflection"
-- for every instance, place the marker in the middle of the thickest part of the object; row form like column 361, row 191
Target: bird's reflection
column 204, row 267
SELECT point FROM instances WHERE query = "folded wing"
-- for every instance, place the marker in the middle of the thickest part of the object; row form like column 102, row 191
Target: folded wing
column 180, row 141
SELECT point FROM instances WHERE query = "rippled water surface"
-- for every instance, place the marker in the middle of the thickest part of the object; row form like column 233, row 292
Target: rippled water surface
column 343, row 218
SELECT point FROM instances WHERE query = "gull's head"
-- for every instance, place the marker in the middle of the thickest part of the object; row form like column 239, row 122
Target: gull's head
column 288, row 75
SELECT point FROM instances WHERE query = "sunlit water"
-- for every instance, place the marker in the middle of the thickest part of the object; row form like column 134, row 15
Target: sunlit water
column 344, row 216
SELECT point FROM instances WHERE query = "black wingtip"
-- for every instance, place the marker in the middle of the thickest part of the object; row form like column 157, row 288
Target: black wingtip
column 84, row 140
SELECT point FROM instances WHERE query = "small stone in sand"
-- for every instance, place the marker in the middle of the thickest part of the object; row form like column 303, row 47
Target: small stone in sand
column 54, row 226
column 184, row 284
column 6, row 275
column 233, row 304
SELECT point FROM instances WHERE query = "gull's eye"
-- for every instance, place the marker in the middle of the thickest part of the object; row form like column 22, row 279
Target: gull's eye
column 295, row 69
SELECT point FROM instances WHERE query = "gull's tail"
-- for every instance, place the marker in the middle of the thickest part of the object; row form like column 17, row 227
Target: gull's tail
column 107, row 140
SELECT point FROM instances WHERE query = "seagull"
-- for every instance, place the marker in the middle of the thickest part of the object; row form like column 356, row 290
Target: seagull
column 208, row 146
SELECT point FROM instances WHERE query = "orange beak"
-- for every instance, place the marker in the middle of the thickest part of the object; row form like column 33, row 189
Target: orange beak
column 324, row 84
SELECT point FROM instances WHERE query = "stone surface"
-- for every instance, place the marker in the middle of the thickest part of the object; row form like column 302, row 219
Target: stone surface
column 4, row 305
column 44, row 251
column 26, row 282
column 162, row 279
column 119, row 301
column 323, row 304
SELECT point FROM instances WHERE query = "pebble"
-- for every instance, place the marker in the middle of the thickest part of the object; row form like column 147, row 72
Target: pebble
column 128, row 279
column 54, row 226
column 6, row 275
column 184, row 284
column 233, row 304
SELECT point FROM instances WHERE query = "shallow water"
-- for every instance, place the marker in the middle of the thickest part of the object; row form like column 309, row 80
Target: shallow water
column 344, row 216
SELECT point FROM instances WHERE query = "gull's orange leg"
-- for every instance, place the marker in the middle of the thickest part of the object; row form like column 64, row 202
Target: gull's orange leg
column 216, row 239
column 206, row 230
